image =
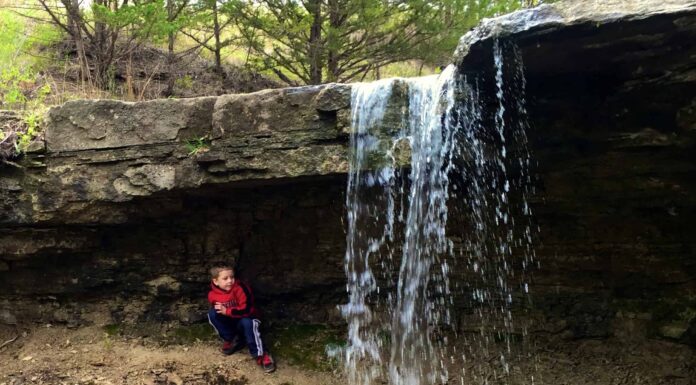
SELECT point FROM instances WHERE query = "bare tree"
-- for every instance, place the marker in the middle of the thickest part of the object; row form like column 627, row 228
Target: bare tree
column 112, row 30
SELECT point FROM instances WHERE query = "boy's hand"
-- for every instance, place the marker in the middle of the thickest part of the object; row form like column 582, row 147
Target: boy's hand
column 220, row 309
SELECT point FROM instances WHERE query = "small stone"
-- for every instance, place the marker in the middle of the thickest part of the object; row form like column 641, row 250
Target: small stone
column 27, row 358
column 163, row 284
column 674, row 330
column 7, row 318
column 174, row 378
column 36, row 147
column 61, row 315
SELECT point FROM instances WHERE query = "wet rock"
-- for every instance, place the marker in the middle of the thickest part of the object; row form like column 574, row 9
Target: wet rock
column 566, row 15
column 334, row 97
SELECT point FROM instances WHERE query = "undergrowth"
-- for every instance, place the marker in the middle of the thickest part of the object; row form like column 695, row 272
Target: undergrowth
column 24, row 88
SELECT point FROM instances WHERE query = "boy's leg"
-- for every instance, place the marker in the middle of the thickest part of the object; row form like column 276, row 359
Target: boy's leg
column 225, row 326
column 250, row 328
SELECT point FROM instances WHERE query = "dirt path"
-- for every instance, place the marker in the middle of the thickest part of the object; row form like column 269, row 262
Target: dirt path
column 90, row 356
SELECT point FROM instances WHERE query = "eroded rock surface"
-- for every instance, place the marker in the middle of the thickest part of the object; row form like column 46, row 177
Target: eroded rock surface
column 102, row 152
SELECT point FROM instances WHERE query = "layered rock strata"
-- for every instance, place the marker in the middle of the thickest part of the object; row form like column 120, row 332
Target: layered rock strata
column 127, row 203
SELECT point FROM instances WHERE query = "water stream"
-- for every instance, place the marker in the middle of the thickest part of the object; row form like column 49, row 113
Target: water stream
column 424, row 150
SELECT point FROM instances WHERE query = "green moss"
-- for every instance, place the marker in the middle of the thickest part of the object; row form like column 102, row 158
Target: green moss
column 661, row 312
column 113, row 329
column 306, row 345
column 191, row 333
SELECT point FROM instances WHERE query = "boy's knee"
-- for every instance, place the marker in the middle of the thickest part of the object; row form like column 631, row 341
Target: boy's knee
column 212, row 314
column 246, row 322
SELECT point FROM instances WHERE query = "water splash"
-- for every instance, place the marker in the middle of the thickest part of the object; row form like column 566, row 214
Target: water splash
column 461, row 166
column 497, row 253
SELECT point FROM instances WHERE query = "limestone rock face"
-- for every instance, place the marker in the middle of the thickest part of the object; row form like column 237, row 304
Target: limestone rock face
column 610, row 90
column 108, row 124
column 575, row 15
column 100, row 152
column 133, row 201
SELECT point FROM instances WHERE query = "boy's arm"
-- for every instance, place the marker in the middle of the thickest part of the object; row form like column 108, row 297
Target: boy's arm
column 243, row 297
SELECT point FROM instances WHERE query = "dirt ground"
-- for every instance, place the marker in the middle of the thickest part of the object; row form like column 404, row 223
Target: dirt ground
column 90, row 355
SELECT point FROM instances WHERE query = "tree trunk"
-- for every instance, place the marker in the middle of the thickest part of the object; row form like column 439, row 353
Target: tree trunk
column 99, row 49
column 315, row 45
column 216, row 34
column 171, row 78
column 73, row 13
column 335, row 23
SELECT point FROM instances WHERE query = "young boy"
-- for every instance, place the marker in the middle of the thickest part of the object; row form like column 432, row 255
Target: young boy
column 234, row 317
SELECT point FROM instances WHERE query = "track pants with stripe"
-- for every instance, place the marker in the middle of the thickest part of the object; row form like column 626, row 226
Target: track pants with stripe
column 230, row 328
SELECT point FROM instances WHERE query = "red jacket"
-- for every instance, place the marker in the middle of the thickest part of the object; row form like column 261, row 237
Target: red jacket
column 239, row 300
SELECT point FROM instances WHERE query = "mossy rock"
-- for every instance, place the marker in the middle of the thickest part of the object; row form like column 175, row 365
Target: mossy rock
column 306, row 345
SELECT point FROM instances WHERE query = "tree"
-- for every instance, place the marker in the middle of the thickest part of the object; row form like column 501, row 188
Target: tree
column 313, row 41
column 176, row 21
column 317, row 40
column 210, row 23
column 107, row 31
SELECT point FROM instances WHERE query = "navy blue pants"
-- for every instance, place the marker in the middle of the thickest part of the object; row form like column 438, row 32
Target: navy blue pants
column 230, row 328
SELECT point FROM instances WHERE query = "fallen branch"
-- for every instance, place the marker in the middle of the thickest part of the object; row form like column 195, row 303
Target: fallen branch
column 10, row 163
column 8, row 342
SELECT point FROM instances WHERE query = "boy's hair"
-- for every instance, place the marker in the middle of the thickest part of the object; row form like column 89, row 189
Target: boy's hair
column 216, row 270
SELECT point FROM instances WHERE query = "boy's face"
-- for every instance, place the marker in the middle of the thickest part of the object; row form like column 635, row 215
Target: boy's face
column 224, row 280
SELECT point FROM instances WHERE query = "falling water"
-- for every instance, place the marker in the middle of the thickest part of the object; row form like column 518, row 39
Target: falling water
column 401, row 325
column 369, row 101
column 413, row 356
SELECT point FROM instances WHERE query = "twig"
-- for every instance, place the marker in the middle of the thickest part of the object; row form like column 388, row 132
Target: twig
column 8, row 342
column 142, row 91
column 13, row 164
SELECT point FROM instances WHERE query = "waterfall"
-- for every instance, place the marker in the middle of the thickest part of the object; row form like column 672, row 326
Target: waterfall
column 424, row 150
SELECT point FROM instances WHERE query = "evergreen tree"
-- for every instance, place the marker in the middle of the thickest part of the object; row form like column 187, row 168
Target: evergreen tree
column 315, row 41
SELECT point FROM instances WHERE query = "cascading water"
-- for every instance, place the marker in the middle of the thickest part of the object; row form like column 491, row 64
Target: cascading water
column 400, row 326
column 369, row 101
column 413, row 356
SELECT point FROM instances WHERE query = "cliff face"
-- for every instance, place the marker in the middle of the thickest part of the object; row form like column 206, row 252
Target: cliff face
column 138, row 199
column 126, row 204
column 611, row 98
column 99, row 154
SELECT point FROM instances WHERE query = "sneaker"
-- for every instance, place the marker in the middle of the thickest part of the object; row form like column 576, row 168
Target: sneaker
column 231, row 348
column 266, row 362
